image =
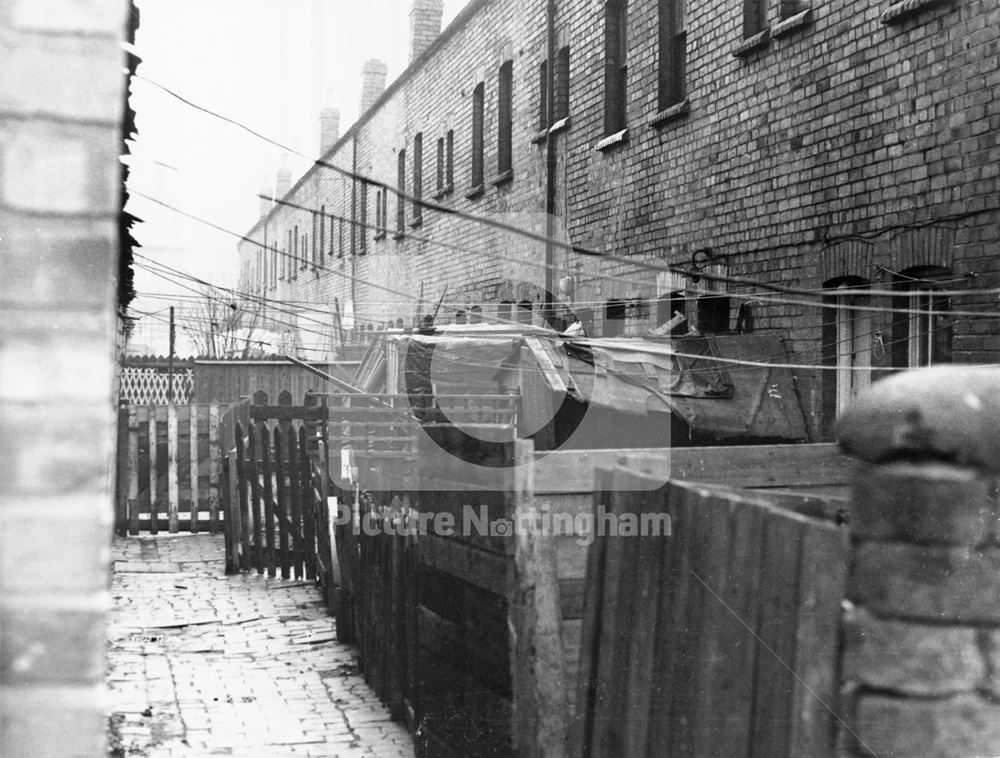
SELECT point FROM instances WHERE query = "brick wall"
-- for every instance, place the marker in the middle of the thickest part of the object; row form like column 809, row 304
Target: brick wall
column 61, row 90
column 844, row 147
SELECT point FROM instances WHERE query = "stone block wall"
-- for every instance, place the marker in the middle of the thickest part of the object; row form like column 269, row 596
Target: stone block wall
column 921, row 622
column 61, row 94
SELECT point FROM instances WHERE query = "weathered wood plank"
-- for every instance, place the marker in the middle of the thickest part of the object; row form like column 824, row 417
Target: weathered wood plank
column 153, row 471
column 242, row 496
column 133, row 471
column 215, row 452
column 173, row 484
column 281, row 506
column 775, row 682
column 295, row 498
column 268, row 495
column 480, row 568
column 194, row 461
column 253, row 474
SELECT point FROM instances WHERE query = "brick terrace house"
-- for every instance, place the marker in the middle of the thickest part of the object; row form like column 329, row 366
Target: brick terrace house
column 840, row 148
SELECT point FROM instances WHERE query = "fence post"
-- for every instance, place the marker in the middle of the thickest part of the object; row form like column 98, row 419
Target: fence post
column 921, row 628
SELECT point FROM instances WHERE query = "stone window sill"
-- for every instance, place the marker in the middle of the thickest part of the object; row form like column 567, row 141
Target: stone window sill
column 379, row 236
column 671, row 113
column 898, row 12
column 751, row 44
column 792, row 23
column 503, row 178
column 618, row 138
column 542, row 134
column 416, row 221
column 398, row 235
column 475, row 192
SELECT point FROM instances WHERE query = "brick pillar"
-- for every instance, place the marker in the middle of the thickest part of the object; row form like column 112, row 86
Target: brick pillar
column 921, row 653
column 59, row 194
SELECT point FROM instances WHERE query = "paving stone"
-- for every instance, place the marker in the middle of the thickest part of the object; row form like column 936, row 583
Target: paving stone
column 200, row 664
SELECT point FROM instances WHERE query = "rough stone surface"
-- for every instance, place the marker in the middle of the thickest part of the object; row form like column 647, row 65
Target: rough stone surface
column 945, row 412
column 256, row 672
column 953, row 585
column 929, row 503
column 959, row 727
column 911, row 659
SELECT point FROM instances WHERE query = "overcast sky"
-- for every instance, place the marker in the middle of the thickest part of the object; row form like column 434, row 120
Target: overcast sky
column 269, row 64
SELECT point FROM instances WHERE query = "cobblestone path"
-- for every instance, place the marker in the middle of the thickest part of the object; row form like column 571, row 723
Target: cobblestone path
column 201, row 664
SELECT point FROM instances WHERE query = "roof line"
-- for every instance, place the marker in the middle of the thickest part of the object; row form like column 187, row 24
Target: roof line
column 463, row 17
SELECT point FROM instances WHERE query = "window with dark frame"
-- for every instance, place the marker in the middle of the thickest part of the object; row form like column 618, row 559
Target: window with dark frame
column 418, row 179
column 401, row 190
column 440, row 165
column 615, row 65
column 790, row 8
column 562, row 84
column 379, row 199
column 505, row 102
column 322, row 233
column 478, row 102
column 754, row 17
column 314, row 250
column 543, row 95
column 921, row 326
column 333, row 234
column 363, row 219
column 449, row 161
column 672, row 63
column 340, row 238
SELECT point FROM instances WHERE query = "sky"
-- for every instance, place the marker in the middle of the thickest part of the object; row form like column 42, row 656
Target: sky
column 268, row 64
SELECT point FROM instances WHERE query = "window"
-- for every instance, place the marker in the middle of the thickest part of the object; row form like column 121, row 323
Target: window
column 478, row 95
column 440, row 166
column 401, row 190
column 322, row 233
column 614, row 318
column 615, row 65
column 333, row 234
column 561, row 97
column 314, row 250
column 379, row 207
column 672, row 53
column 754, row 17
column 847, row 344
column 418, row 179
column 449, row 161
column 543, row 95
column 524, row 311
column 791, row 8
column 305, row 249
column 274, row 266
column 340, row 238
column 505, row 96
column 921, row 328
column 363, row 219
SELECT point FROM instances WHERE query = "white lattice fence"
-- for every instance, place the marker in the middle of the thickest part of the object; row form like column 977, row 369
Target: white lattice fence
column 148, row 386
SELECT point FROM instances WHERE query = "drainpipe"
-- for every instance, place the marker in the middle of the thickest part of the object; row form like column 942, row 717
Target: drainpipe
column 548, row 312
column 354, row 221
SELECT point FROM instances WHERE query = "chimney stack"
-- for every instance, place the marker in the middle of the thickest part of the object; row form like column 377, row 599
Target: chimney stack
column 329, row 129
column 425, row 25
column 372, row 83
column 284, row 182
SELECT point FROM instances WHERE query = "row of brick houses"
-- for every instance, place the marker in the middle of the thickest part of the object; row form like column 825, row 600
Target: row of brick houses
column 836, row 149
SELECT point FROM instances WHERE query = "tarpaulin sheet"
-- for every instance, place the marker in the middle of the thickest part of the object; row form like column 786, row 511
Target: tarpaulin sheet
column 627, row 375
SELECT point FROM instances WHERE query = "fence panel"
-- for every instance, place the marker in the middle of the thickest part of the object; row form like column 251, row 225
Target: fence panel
column 716, row 640
column 171, row 459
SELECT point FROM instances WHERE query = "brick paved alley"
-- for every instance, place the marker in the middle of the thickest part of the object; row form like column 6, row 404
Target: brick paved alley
column 201, row 664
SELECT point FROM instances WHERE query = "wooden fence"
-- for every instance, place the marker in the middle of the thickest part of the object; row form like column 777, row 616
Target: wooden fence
column 721, row 639
column 170, row 467
column 475, row 638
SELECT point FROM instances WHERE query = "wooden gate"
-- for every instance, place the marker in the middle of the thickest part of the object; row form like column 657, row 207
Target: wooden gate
column 169, row 468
